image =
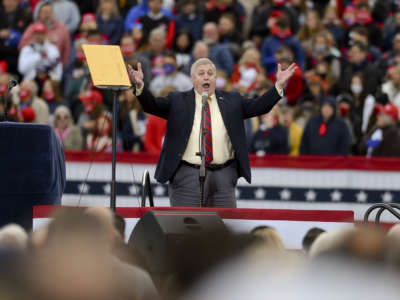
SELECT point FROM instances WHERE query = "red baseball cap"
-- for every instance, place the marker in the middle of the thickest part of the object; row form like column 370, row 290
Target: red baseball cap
column 89, row 17
column 39, row 27
column 91, row 96
column 28, row 114
column 391, row 110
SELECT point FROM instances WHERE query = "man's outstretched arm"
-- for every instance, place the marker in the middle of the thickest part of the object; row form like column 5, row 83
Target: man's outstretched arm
column 264, row 103
column 150, row 104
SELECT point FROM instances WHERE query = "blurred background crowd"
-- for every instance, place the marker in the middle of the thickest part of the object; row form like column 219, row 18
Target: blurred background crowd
column 344, row 98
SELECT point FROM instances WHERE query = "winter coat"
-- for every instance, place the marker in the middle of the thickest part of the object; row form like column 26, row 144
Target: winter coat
column 57, row 34
column 272, row 43
column 390, row 144
column 335, row 140
column 271, row 141
column 112, row 28
column 40, row 58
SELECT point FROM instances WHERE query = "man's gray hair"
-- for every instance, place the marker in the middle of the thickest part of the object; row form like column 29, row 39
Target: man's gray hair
column 200, row 62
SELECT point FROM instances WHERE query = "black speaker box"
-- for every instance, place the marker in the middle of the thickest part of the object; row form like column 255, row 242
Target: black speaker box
column 158, row 235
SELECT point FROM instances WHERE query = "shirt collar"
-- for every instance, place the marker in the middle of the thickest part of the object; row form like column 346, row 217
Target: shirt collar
column 198, row 96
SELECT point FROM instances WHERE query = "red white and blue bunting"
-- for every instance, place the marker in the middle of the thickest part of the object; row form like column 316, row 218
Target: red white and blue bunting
column 277, row 181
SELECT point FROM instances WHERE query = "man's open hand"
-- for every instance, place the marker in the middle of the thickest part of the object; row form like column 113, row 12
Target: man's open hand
column 282, row 76
column 136, row 76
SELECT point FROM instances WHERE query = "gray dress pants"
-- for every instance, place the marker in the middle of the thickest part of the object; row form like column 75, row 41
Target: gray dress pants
column 219, row 187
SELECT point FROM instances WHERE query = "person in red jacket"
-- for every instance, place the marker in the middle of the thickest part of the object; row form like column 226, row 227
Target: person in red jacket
column 154, row 136
column 155, row 128
column 295, row 85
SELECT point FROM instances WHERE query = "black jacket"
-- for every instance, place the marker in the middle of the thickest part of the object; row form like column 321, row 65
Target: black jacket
column 8, row 47
column 272, row 141
column 21, row 20
column 179, row 109
column 336, row 141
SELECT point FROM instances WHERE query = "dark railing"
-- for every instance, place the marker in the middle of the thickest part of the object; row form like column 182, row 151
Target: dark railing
column 393, row 208
column 146, row 189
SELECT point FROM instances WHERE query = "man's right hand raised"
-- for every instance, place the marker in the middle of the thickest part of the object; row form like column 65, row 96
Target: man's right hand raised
column 136, row 76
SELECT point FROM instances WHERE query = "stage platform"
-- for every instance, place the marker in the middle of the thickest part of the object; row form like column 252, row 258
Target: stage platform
column 291, row 224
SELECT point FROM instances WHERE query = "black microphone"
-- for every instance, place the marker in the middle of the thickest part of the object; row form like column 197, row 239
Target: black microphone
column 204, row 97
column 11, row 84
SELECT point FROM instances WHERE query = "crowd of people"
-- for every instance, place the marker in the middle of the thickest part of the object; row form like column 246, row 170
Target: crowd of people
column 343, row 99
column 81, row 253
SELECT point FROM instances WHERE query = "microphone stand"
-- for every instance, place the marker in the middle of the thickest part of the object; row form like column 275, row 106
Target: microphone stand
column 114, row 152
column 202, row 153
column 115, row 92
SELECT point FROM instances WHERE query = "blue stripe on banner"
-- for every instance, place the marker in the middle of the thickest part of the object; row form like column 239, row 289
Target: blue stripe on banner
column 249, row 192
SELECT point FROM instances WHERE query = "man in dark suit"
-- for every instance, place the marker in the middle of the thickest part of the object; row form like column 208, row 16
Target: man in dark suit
column 226, row 156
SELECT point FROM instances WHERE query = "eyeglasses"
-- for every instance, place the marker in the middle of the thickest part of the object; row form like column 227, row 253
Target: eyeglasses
column 62, row 117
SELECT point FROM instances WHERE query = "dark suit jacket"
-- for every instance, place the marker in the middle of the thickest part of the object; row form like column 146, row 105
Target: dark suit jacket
column 179, row 108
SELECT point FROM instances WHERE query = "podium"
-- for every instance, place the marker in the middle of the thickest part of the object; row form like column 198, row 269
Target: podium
column 32, row 170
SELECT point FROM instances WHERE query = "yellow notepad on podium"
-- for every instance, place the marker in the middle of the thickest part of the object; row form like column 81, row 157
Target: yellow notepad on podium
column 107, row 67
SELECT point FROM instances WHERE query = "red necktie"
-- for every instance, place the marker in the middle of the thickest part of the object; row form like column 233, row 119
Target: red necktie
column 208, row 136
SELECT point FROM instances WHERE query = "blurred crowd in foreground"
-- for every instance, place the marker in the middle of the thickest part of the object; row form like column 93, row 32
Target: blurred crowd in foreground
column 81, row 254
column 343, row 99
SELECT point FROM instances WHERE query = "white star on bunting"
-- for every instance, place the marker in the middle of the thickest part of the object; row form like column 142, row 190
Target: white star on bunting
column 107, row 188
column 362, row 197
column 387, row 197
column 84, row 188
column 260, row 193
column 133, row 189
column 159, row 190
column 336, row 196
column 310, row 195
column 285, row 194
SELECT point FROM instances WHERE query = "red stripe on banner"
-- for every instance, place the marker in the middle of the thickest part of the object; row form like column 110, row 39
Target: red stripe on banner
column 270, row 161
column 231, row 213
column 327, row 162
column 44, row 211
column 184, row 214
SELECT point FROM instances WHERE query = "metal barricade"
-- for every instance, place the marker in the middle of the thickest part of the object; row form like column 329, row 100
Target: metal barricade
column 393, row 208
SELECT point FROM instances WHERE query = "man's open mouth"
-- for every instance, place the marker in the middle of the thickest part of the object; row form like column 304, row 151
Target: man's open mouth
column 206, row 85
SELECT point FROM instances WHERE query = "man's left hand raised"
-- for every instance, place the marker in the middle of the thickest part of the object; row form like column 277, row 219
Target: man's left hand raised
column 282, row 76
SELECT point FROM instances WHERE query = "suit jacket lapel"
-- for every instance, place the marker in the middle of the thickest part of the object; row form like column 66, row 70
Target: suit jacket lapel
column 223, row 108
column 222, row 105
column 190, row 101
